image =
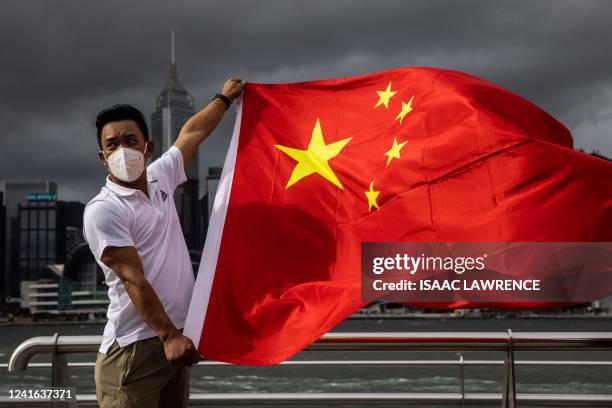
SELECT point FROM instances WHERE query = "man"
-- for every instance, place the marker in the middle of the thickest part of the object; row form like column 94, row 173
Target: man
column 134, row 233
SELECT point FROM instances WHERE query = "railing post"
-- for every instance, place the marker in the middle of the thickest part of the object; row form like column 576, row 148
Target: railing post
column 60, row 376
column 462, row 379
column 508, row 386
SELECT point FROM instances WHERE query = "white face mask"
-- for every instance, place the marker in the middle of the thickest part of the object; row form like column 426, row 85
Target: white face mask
column 126, row 164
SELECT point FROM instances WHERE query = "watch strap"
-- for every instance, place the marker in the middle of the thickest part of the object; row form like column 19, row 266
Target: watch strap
column 224, row 98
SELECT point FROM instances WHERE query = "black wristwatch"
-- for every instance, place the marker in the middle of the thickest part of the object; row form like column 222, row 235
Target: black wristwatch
column 224, row 98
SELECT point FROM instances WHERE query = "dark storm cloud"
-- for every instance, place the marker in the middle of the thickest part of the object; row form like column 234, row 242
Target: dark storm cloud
column 62, row 61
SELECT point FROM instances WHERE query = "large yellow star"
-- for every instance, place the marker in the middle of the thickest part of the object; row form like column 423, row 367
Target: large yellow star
column 371, row 196
column 394, row 152
column 384, row 96
column 314, row 158
column 406, row 109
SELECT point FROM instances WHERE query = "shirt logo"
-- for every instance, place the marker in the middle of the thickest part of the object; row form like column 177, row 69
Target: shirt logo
column 164, row 195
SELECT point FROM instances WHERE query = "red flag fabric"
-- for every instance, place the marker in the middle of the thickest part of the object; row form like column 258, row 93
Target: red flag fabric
column 413, row 154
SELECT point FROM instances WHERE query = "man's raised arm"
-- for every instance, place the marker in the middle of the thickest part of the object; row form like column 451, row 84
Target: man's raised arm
column 200, row 125
column 126, row 264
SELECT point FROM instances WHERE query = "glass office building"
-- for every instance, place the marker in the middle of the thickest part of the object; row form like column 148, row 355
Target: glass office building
column 44, row 224
column 15, row 193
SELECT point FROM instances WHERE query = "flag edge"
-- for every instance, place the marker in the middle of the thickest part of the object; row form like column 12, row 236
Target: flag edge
column 198, row 306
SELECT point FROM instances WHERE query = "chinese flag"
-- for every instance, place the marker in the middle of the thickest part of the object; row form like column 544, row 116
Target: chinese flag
column 414, row 154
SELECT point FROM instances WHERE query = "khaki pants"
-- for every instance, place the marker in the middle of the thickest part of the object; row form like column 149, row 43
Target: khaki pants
column 138, row 375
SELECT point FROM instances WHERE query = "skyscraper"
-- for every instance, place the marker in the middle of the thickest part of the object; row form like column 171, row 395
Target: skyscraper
column 212, row 183
column 14, row 193
column 44, row 224
column 173, row 107
column 208, row 198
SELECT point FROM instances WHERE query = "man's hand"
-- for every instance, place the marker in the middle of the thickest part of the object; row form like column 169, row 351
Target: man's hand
column 232, row 88
column 180, row 350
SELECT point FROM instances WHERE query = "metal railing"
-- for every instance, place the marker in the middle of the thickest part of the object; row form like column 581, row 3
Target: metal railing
column 507, row 342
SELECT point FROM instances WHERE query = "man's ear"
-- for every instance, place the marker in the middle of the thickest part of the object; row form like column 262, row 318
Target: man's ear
column 149, row 150
column 102, row 158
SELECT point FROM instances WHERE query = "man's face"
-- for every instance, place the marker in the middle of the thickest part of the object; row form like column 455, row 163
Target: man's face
column 123, row 133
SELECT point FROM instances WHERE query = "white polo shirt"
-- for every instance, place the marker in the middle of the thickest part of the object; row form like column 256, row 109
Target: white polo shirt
column 120, row 216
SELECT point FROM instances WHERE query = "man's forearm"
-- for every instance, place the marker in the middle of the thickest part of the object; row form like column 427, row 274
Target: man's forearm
column 126, row 264
column 147, row 304
column 205, row 121
column 198, row 127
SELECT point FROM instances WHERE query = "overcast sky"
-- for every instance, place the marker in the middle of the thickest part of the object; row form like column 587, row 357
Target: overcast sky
column 63, row 61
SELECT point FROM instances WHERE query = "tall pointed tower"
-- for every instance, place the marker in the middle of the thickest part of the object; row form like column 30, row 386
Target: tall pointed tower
column 173, row 107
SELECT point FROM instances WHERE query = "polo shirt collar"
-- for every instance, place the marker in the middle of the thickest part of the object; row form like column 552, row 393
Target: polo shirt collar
column 125, row 191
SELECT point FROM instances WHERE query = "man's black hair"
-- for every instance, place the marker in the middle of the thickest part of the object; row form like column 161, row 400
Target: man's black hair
column 119, row 112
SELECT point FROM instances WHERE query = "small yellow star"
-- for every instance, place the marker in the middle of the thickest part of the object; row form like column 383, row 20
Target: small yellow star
column 394, row 152
column 406, row 109
column 314, row 158
column 384, row 96
column 371, row 196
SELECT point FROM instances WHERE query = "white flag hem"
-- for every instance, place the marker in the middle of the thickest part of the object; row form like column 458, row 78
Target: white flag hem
column 194, row 325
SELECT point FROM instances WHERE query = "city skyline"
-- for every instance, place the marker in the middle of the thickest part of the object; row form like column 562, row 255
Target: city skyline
column 63, row 64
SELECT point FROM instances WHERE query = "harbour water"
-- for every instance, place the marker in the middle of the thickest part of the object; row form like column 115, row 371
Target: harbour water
column 542, row 379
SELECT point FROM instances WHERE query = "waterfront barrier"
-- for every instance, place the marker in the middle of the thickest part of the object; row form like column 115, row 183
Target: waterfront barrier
column 505, row 342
